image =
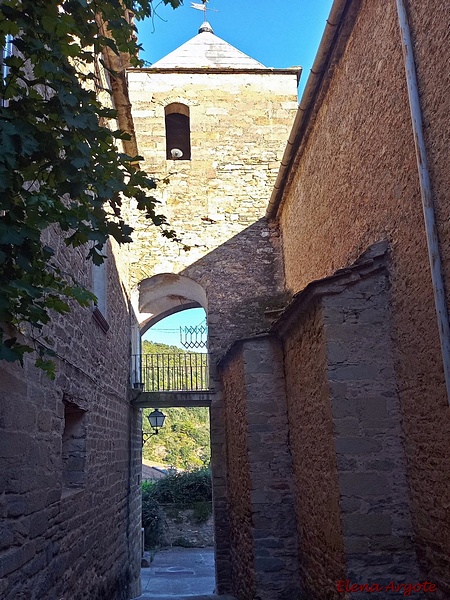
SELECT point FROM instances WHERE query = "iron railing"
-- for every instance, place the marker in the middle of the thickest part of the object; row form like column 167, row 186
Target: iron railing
column 171, row 372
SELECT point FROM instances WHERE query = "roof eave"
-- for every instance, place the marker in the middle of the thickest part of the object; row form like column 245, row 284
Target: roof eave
column 256, row 70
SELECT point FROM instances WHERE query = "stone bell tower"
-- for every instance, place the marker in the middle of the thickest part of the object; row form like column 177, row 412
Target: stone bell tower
column 212, row 124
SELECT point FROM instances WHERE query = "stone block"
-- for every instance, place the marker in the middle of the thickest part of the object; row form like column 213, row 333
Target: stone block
column 362, row 484
column 390, row 543
column 13, row 444
column 337, row 352
column 367, row 525
column 381, row 465
column 356, row 545
column 346, row 427
column 6, row 535
column 355, row 372
column 15, row 558
column 272, row 542
column 373, row 408
column 357, row 445
column 269, row 565
column 38, row 524
column 17, row 505
column 350, row 505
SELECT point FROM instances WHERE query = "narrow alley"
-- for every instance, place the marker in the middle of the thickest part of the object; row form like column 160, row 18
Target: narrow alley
column 181, row 574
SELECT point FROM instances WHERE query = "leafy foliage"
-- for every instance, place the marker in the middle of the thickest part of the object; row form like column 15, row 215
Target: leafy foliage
column 152, row 518
column 184, row 441
column 185, row 488
column 149, row 347
column 60, row 166
column 189, row 489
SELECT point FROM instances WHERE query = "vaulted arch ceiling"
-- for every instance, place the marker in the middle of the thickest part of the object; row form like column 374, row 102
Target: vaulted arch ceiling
column 165, row 294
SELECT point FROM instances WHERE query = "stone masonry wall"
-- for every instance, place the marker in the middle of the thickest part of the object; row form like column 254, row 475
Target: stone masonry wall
column 355, row 183
column 240, row 510
column 239, row 126
column 374, row 495
column 352, row 497
column 73, row 537
column 239, row 123
column 216, row 201
column 273, row 518
column 181, row 527
column 260, row 472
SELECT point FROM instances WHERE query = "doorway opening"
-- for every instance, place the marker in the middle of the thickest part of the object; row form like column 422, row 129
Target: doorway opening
column 176, row 472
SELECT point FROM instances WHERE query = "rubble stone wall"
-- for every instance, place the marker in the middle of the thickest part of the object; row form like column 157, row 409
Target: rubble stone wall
column 239, row 484
column 322, row 560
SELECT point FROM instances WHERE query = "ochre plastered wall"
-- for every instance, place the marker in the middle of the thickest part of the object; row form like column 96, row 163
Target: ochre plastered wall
column 313, row 455
column 355, row 183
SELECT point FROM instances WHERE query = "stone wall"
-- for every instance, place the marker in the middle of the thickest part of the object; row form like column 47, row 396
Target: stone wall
column 238, row 479
column 182, row 526
column 70, row 458
column 322, row 560
column 216, row 202
column 356, row 182
column 262, row 521
column 353, row 505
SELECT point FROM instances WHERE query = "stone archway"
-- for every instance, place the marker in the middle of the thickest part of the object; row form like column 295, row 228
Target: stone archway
column 154, row 299
column 165, row 294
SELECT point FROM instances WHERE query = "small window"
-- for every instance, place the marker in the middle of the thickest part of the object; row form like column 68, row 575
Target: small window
column 73, row 448
column 178, row 132
column 99, row 287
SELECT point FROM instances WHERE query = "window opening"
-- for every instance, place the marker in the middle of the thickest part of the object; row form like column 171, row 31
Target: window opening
column 178, row 133
column 74, row 448
column 99, row 287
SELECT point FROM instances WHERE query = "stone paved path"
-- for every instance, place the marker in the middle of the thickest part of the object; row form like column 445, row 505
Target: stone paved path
column 181, row 574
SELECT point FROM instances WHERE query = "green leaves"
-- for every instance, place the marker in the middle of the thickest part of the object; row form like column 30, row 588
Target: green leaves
column 59, row 167
column 174, row 3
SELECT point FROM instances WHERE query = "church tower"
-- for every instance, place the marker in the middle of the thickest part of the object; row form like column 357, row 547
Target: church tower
column 212, row 124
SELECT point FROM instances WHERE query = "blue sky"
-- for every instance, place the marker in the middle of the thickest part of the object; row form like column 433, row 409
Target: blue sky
column 284, row 34
column 167, row 331
column 277, row 34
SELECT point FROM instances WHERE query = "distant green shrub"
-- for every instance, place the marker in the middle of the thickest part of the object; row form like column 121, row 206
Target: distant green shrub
column 152, row 518
column 202, row 511
column 189, row 489
column 185, row 488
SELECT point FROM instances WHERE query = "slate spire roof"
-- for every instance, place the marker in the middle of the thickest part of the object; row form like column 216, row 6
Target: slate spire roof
column 206, row 50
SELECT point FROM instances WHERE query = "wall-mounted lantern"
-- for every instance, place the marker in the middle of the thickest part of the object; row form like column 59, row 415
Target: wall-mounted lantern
column 156, row 420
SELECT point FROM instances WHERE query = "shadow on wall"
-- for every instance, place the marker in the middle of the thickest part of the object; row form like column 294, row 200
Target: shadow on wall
column 235, row 283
